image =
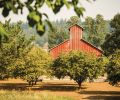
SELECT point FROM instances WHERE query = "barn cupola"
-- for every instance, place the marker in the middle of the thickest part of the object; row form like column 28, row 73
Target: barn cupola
column 76, row 32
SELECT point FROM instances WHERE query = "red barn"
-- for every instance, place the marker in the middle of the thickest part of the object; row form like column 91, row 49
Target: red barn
column 75, row 43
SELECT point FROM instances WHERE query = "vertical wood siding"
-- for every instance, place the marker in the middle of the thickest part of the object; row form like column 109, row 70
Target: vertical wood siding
column 63, row 47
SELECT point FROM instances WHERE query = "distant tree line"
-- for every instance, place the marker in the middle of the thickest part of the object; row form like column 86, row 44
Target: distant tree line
column 95, row 30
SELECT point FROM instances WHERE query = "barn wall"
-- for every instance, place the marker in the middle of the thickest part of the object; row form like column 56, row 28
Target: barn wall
column 63, row 47
column 86, row 47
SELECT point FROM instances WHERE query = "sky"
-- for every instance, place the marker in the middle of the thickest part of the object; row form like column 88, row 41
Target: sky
column 107, row 8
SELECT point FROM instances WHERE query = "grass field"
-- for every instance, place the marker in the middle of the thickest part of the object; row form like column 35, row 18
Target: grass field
column 27, row 95
column 16, row 89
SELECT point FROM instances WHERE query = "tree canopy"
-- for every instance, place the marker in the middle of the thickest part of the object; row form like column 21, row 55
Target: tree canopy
column 12, row 48
column 35, row 64
column 95, row 30
column 112, row 41
column 19, row 58
column 79, row 66
column 113, row 68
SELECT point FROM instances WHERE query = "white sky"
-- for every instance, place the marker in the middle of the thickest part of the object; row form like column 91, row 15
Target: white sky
column 108, row 8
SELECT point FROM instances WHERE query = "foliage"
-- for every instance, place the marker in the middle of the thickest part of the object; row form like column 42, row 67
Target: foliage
column 35, row 16
column 96, row 30
column 26, row 95
column 35, row 64
column 58, row 34
column 3, row 33
column 112, row 41
column 113, row 68
column 13, row 48
column 40, row 40
column 74, row 20
column 78, row 66
column 18, row 57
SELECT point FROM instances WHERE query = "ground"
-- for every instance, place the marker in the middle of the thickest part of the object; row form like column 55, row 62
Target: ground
column 89, row 91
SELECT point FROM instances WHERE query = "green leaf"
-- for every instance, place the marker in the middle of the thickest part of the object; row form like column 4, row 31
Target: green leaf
column 5, row 12
column 49, row 24
column 79, row 10
column 67, row 4
column 33, row 15
column 40, row 29
column 2, row 30
column 45, row 15
column 29, row 2
column 39, row 3
column 57, row 7
column 34, row 18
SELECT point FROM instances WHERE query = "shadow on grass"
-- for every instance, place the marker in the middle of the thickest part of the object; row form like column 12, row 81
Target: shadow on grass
column 40, row 86
column 100, row 92
column 57, row 87
column 13, row 86
column 103, row 98
column 102, row 95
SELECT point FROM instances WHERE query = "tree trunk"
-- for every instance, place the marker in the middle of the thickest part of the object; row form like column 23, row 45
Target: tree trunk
column 32, row 83
column 36, row 81
column 29, row 83
column 79, row 83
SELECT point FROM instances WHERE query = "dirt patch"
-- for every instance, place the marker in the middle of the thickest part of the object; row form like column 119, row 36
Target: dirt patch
column 89, row 91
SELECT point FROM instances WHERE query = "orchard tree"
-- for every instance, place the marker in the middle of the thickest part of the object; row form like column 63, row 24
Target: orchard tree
column 35, row 16
column 12, row 48
column 112, row 41
column 3, row 33
column 79, row 66
column 113, row 68
column 35, row 64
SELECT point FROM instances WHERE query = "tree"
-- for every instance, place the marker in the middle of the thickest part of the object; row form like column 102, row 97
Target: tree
column 35, row 17
column 89, row 29
column 112, row 41
column 3, row 33
column 35, row 64
column 78, row 66
column 12, row 48
column 58, row 34
column 73, row 20
column 96, row 30
column 113, row 68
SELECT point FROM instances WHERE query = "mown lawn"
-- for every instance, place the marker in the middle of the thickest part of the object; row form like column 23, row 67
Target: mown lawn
column 28, row 95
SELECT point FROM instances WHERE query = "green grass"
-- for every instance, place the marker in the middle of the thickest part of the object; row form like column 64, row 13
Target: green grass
column 27, row 95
